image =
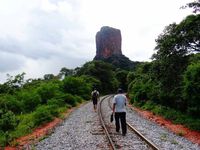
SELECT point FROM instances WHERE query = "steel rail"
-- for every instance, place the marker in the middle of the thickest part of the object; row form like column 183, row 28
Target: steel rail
column 103, row 124
column 152, row 145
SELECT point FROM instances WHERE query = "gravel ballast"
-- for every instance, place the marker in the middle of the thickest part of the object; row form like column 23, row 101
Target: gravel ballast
column 82, row 130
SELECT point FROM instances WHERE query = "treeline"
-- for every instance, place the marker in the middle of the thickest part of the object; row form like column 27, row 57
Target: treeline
column 27, row 104
column 170, row 84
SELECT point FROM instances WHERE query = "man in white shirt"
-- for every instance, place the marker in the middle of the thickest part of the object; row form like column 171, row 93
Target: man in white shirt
column 119, row 109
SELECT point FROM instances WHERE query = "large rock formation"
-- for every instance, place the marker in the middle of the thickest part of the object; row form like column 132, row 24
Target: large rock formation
column 108, row 42
column 108, row 48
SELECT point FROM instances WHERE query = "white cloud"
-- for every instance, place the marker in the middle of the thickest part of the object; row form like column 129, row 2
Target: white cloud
column 42, row 36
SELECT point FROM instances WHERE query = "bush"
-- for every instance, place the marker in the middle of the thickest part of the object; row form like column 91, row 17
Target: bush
column 78, row 99
column 56, row 101
column 44, row 114
column 148, row 105
column 171, row 114
column 25, row 125
column 9, row 102
column 30, row 100
column 77, row 86
column 8, row 120
column 3, row 139
column 92, row 81
column 47, row 91
column 194, row 124
column 191, row 91
column 70, row 99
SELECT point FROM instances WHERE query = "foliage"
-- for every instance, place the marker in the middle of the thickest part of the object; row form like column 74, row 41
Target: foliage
column 95, row 83
column 29, row 100
column 171, row 59
column 169, row 85
column 121, row 61
column 64, row 72
column 77, row 86
column 3, row 139
column 104, row 72
column 70, row 99
column 13, row 84
column 195, row 5
column 8, row 120
column 28, row 104
column 25, row 125
column 47, row 91
column 49, row 76
column 9, row 102
column 191, row 91
column 172, row 114
column 44, row 114
column 121, row 76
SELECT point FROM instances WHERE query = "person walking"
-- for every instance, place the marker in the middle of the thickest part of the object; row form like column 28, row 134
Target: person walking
column 95, row 95
column 119, row 111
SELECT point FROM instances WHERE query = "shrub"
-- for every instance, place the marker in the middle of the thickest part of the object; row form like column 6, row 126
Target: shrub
column 70, row 99
column 191, row 91
column 78, row 99
column 194, row 124
column 25, row 125
column 47, row 91
column 30, row 100
column 8, row 120
column 77, row 86
column 42, row 115
column 56, row 101
column 9, row 102
column 3, row 139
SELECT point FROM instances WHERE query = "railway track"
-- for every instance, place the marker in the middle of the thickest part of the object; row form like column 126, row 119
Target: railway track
column 116, row 141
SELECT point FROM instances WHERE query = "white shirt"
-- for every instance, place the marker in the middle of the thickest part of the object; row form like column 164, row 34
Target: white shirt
column 120, row 101
column 94, row 92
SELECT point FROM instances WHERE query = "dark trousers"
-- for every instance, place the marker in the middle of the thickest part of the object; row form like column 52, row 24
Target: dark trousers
column 120, row 117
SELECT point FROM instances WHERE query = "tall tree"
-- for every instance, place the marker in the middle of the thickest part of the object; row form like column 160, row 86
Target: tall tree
column 173, row 47
column 195, row 5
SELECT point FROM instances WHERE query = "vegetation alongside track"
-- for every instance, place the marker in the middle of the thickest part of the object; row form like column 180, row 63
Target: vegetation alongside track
column 26, row 106
column 169, row 85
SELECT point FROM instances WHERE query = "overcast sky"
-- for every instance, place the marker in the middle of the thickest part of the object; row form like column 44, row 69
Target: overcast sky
column 41, row 36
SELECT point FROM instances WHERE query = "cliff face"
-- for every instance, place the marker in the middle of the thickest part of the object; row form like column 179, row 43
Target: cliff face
column 108, row 48
column 108, row 43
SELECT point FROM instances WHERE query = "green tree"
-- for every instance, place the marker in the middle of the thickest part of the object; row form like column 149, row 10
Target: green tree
column 13, row 83
column 191, row 91
column 195, row 5
column 121, row 76
column 171, row 59
column 66, row 72
column 77, row 86
column 9, row 102
column 103, row 72
column 49, row 77
column 48, row 90
column 29, row 100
